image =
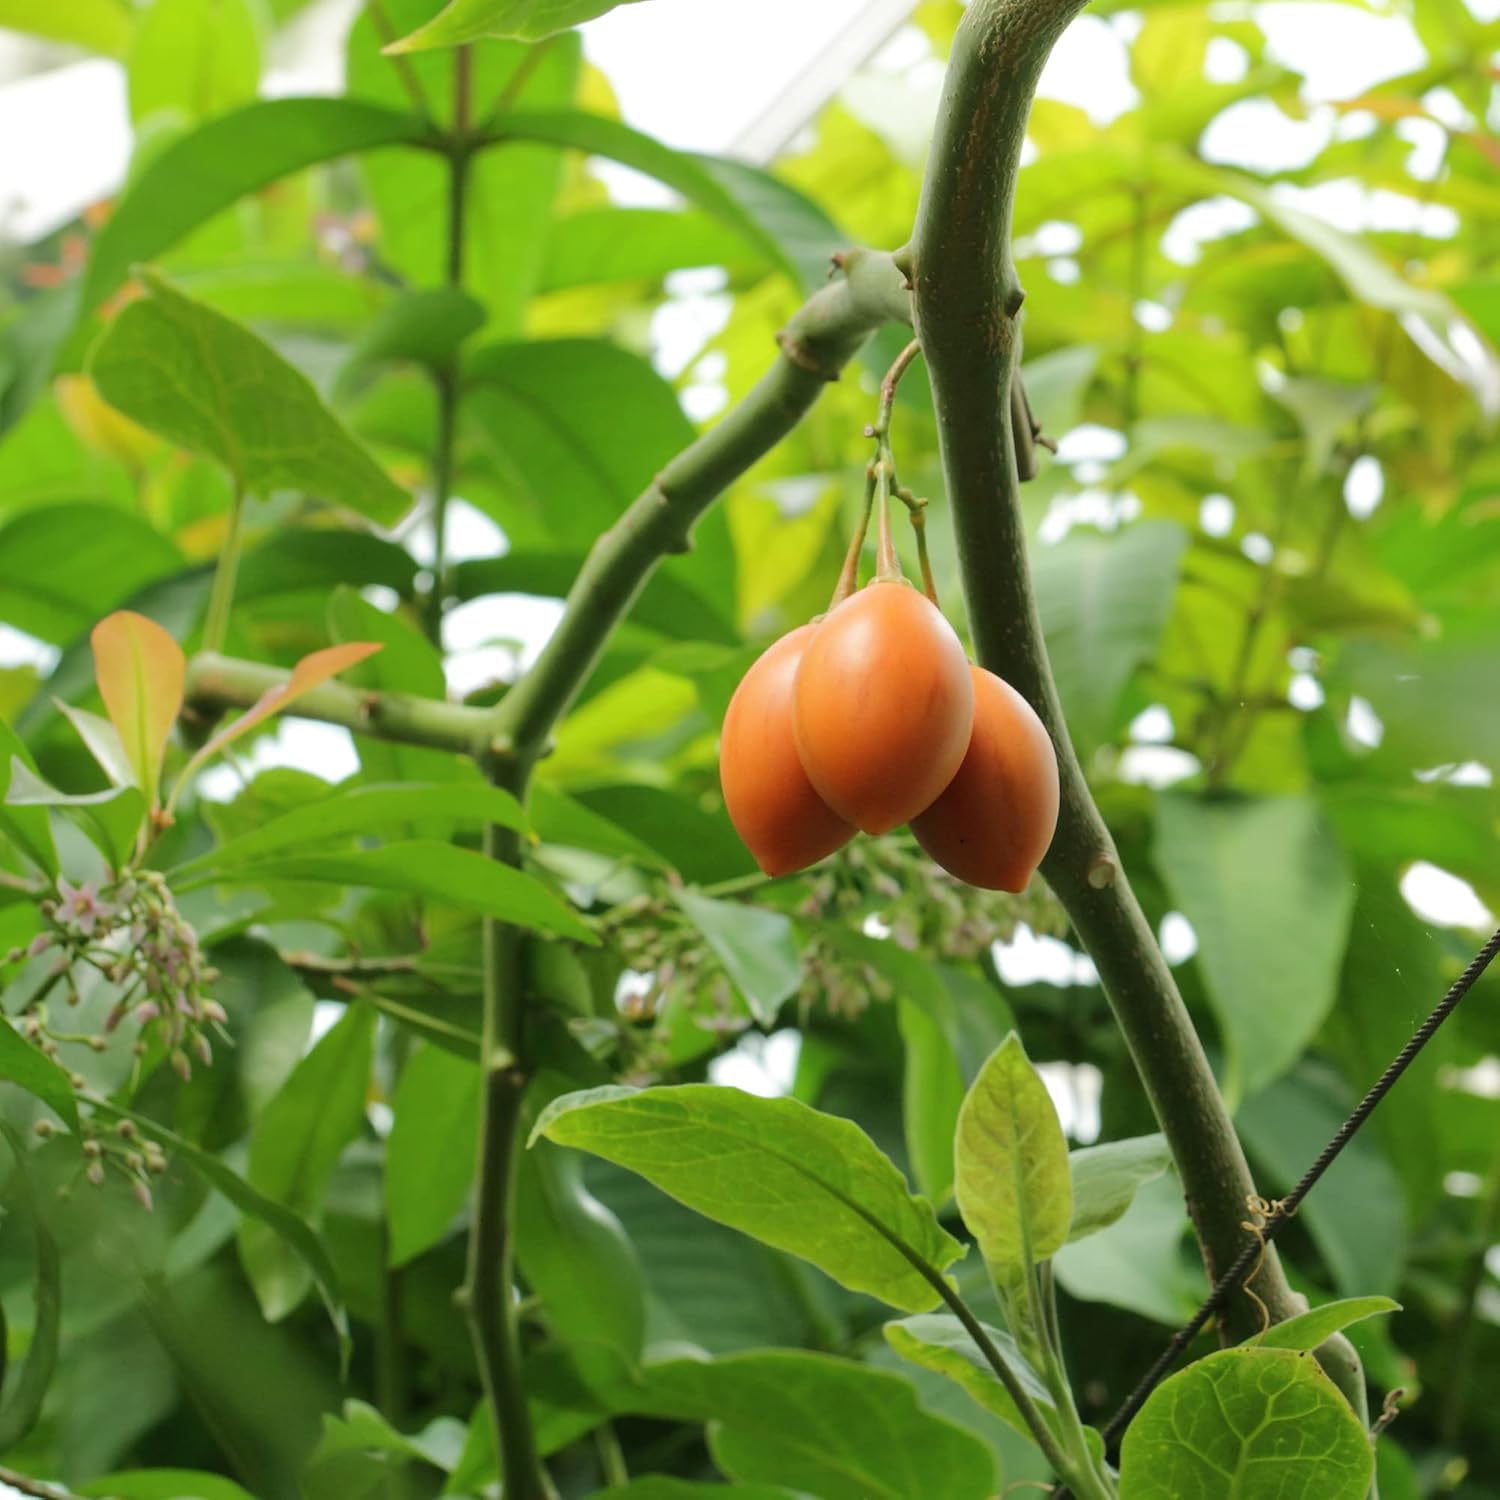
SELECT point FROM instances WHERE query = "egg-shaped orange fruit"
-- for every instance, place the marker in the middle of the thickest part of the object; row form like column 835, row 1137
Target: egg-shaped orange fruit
column 995, row 819
column 772, row 804
column 884, row 706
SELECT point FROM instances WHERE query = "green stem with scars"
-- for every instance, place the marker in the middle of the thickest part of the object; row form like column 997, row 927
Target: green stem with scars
column 221, row 595
column 967, row 299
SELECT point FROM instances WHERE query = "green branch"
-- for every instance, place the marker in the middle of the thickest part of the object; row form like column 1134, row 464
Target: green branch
column 967, row 301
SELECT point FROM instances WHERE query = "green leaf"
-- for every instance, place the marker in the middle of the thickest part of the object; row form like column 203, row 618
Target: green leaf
column 463, row 21
column 1106, row 1178
column 295, row 1146
column 28, row 828
column 1105, row 600
column 661, row 1487
column 102, row 26
column 1307, row 1330
column 199, row 174
column 432, row 870
column 360, row 1428
column 932, row 1094
column 939, row 1342
column 1269, row 895
column 1011, row 1163
column 362, row 809
column 103, row 742
column 756, row 947
column 63, row 565
column 139, row 669
column 572, row 1250
column 601, row 245
column 429, row 1155
column 193, row 58
column 26, row 1393
column 293, row 1231
column 34, row 1071
column 1246, row 1422
column 836, row 1429
column 212, row 387
column 163, row 1484
column 1056, row 384
column 804, row 1182
column 111, row 818
column 424, row 327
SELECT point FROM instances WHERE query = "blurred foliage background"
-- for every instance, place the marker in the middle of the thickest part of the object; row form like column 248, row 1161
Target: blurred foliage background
column 1268, row 558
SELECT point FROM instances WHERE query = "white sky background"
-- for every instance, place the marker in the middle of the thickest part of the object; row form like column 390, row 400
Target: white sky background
column 698, row 74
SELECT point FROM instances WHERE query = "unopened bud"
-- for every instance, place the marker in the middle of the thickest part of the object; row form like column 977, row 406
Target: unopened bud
column 146, row 1012
column 78, row 1081
column 45, row 1128
column 92, row 1148
column 97, row 1044
column 142, row 1193
column 126, row 1130
column 135, row 1161
column 180, row 1064
column 204, row 1051
column 213, row 1011
column 95, row 1173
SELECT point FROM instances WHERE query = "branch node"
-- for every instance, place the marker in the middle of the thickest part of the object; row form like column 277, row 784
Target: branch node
column 1102, row 872
column 803, row 357
column 1015, row 297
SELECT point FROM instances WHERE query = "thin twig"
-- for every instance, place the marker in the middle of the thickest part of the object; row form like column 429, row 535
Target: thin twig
column 38, row 1487
column 410, row 81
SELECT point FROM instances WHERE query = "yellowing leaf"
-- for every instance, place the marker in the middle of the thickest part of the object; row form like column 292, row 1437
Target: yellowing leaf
column 312, row 671
column 140, row 671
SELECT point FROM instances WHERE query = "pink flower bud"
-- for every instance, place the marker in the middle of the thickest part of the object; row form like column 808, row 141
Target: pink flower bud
column 204, row 1051
column 142, row 1193
column 146, row 1012
column 39, row 945
column 213, row 1011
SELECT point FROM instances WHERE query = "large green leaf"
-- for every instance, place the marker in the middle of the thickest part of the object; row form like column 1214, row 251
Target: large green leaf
column 429, row 1155
column 1011, row 1164
column 111, row 818
column 462, row 21
column 211, row 386
column 62, row 566
column 1105, row 600
column 362, row 809
column 31, row 1069
column 799, row 1180
column 756, row 947
column 194, row 58
column 295, row 1147
column 1106, row 1179
column 98, row 25
column 201, row 173
column 432, row 870
column 1269, row 896
column 836, row 1429
column 1244, row 1423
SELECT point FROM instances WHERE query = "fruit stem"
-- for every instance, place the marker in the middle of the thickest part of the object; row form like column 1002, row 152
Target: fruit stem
column 849, row 573
column 917, row 511
column 887, row 563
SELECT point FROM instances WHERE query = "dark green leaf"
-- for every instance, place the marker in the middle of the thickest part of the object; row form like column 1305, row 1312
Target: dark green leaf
column 25, row 1394
column 756, row 947
column 199, row 174
column 429, row 1155
column 362, row 809
column 360, row 1428
column 164, row 1484
column 434, row 871
column 660, row 1487
column 1105, row 1179
column 34, row 1071
column 212, row 387
column 292, row 559
column 111, row 818
column 295, row 1146
column 805, row 1182
column 932, row 1093
column 1269, row 896
column 1215, row 1429
column 27, row 828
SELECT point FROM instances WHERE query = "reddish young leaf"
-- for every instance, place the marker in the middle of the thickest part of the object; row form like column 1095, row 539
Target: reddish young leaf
column 140, row 671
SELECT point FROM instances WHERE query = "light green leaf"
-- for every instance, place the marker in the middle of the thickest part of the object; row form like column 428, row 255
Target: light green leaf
column 932, row 1093
column 212, row 387
column 193, row 58
column 424, row 327
column 362, row 809
column 804, row 1182
column 103, row 741
column 1106, row 1178
column 432, row 870
column 1244, row 1423
column 111, row 818
column 1011, row 1163
column 139, row 669
column 102, row 26
column 360, row 1428
column 601, row 245
column 163, row 1484
column 1308, row 1330
column 429, row 1155
column 939, row 1342
column 1269, row 896
column 1105, row 600
column 63, row 565
column 31, row 1069
column 1323, row 409
column 463, row 21
column 572, row 1251
column 295, row 1146
column 756, row 947
column 836, row 1429
column 292, row 1230
column 1055, row 386
column 207, row 170
column 28, row 828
